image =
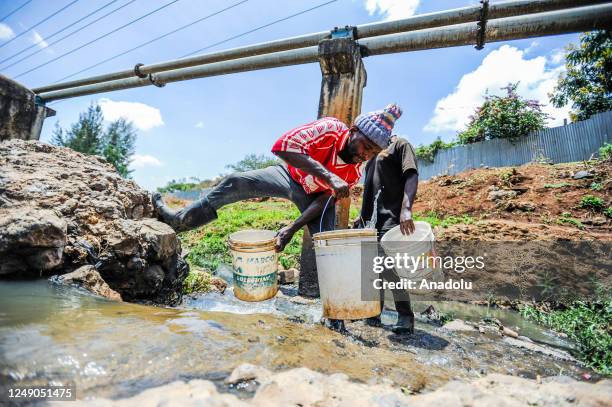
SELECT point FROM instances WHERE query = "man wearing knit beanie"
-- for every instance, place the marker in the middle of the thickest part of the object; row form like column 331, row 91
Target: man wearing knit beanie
column 321, row 161
column 391, row 180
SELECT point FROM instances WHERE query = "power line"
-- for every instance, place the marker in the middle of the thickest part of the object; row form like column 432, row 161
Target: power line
column 14, row 11
column 259, row 28
column 48, row 37
column 40, row 22
column 153, row 40
column 97, row 39
column 201, row 49
column 69, row 34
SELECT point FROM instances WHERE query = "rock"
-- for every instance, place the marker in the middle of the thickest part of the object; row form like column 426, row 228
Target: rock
column 218, row 284
column 304, row 387
column 87, row 277
column 596, row 221
column 176, row 394
column 288, row 276
column 503, row 390
column 31, row 240
column 582, row 174
column 458, row 325
column 60, row 210
column 247, row 371
column 556, row 353
column 508, row 332
column 498, row 195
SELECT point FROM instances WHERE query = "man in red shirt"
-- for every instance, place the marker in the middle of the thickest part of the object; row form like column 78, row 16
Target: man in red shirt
column 321, row 160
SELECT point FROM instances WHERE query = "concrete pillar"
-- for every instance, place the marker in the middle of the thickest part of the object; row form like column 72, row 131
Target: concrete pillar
column 20, row 116
column 344, row 78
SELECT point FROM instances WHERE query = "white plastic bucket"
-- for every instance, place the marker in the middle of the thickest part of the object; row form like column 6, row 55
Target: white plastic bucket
column 418, row 245
column 339, row 258
column 255, row 264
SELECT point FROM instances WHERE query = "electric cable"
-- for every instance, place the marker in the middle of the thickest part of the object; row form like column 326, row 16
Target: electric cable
column 40, row 22
column 96, row 39
column 14, row 11
column 70, row 34
column 151, row 41
column 48, row 37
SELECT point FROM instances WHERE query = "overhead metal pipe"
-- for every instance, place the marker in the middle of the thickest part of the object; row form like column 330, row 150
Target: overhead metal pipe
column 511, row 28
column 277, row 59
column 418, row 22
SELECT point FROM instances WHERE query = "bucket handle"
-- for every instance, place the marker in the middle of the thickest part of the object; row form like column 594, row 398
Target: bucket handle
column 323, row 214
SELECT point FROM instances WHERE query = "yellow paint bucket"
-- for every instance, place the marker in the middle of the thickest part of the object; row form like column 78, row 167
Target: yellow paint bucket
column 255, row 264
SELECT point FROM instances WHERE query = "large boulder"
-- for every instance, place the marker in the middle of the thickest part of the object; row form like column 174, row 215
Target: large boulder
column 60, row 210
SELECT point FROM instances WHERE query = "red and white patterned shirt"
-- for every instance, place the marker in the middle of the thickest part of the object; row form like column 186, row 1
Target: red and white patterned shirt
column 322, row 140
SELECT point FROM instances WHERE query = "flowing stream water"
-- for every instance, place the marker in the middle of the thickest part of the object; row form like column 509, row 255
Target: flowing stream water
column 114, row 349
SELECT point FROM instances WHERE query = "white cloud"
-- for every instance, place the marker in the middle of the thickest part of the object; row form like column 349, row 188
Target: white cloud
column 500, row 67
column 144, row 160
column 392, row 9
column 144, row 117
column 38, row 39
column 532, row 47
column 557, row 56
column 6, row 33
column 199, row 125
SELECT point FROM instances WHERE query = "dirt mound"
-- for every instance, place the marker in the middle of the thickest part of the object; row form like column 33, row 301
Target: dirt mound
column 509, row 230
column 60, row 210
column 533, row 201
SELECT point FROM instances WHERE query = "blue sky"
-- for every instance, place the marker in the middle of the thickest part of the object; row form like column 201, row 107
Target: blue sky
column 195, row 128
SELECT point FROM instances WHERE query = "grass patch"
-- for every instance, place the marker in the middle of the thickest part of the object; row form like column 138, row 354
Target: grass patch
column 566, row 219
column 587, row 324
column 559, row 185
column 435, row 219
column 208, row 244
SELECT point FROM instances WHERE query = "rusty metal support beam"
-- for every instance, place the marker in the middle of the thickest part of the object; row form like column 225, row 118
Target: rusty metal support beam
column 430, row 20
column 343, row 80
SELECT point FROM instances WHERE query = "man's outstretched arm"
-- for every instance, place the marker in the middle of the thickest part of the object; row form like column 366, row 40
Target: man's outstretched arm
column 312, row 212
column 306, row 163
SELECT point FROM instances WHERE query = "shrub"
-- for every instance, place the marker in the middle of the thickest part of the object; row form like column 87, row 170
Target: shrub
column 587, row 325
column 592, row 202
column 510, row 116
column 428, row 153
column 605, row 152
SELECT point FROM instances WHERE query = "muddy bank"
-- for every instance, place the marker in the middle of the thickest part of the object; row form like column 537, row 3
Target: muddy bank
column 60, row 210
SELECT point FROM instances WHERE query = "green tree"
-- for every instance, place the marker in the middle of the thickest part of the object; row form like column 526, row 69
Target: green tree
column 510, row 116
column 118, row 145
column 587, row 84
column 253, row 162
column 87, row 135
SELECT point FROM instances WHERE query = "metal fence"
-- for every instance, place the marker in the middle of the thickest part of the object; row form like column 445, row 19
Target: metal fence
column 573, row 142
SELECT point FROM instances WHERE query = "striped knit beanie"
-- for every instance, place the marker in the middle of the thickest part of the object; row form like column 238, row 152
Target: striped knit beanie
column 378, row 125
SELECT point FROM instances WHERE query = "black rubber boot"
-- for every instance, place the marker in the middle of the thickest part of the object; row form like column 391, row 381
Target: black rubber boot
column 404, row 325
column 198, row 213
column 335, row 325
column 373, row 321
